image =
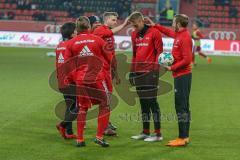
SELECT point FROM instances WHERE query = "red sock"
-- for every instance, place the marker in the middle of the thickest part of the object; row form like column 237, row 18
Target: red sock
column 81, row 121
column 158, row 131
column 146, row 131
column 103, row 120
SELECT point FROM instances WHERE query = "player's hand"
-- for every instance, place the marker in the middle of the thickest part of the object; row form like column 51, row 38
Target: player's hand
column 126, row 22
column 168, row 68
column 132, row 76
column 148, row 20
column 118, row 81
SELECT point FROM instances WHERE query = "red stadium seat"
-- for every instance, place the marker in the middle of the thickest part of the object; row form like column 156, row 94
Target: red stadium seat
column 18, row 12
column 7, row 6
column 233, row 20
column 219, row 8
column 14, row 6
column 2, row 5
column 226, row 8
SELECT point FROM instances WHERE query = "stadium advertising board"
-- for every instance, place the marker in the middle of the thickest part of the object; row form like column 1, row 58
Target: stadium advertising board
column 123, row 43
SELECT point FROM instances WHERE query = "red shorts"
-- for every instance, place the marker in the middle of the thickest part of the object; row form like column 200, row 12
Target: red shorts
column 93, row 94
column 197, row 48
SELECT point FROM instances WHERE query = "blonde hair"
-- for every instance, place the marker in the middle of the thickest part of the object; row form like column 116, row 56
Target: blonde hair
column 136, row 15
column 182, row 19
column 82, row 24
column 108, row 14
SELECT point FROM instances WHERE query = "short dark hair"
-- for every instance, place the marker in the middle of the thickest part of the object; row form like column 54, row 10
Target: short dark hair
column 67, row 30
column 108, row 14
column 135, row 15
column 82, row 24
column 182, row 19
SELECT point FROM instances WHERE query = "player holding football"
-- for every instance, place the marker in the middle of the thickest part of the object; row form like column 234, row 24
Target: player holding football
column 65, row 127
column 106, row 32
column 144, row 74
column 197, row 36
column 182, row 73
column 91, row 71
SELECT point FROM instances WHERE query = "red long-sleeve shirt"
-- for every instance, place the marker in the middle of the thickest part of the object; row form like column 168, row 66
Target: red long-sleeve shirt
column 93, row 62
column 60, row 60
column 107, row 35
column 146, row 49
column 182, row 50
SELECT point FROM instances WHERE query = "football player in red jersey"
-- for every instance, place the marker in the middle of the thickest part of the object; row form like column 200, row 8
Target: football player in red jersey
column 144, row 74
column 106, row 32
column 197, row 36
column 182, row 73
column 95, row 23
column 65, row 127
column 91, row 68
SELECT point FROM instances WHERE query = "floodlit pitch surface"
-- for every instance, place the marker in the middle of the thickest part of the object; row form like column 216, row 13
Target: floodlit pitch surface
column 27, row 130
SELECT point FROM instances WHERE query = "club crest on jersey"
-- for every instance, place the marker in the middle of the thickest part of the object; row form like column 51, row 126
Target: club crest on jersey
column 86, row 52
column 60, row 58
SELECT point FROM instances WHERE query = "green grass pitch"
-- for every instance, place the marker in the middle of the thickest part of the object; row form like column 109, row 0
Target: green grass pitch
column 27, row 119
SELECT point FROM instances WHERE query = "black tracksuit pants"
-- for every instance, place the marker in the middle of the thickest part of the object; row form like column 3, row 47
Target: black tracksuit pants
column 182, row 85
column 71, row 110
column 147, row 88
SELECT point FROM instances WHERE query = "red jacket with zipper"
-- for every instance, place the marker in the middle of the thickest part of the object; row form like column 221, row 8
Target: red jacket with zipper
column 182, row 50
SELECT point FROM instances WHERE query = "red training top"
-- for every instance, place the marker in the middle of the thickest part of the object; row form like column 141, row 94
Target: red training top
column 147, row 46
column 90, row 62
column 107, row 35
column 60, row 60
column 182, row 50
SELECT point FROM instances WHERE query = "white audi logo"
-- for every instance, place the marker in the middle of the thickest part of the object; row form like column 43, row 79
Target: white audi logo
column 222, row 35
column 50, row 28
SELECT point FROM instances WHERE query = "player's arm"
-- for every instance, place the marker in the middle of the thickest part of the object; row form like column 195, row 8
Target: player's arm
column 168, row 32
column 102, row 32
column 186, row 50
column 69, row 64
column 132, row 69
column 158, row 44
column 120, row 27
column 200, row 35
column 107, row 55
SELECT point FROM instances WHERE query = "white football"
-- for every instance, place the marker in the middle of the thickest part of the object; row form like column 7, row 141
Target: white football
column 166, row 59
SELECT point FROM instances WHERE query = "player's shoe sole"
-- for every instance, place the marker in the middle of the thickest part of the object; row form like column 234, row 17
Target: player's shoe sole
column 111, row 126
column 101, row 142
column 153, row 139
column 179, row 142
column 110, row 132
column 141, row 136
column 81, row 144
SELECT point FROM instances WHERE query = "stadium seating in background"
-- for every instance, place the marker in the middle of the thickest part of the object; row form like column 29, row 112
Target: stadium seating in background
column 60, row 10
column 219, row 14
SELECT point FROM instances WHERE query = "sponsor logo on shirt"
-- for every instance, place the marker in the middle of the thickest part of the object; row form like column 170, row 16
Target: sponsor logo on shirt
column 60, row 58
column 61, row 48
column 86, row 52
column 142, row 44
column 84, row 41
